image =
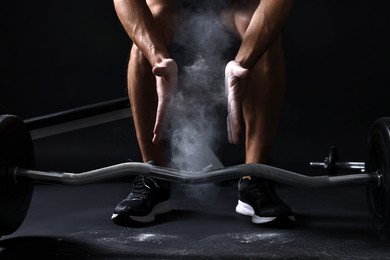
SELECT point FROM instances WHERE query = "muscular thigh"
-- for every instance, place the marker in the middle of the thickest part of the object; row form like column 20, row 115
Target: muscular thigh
column 166, row 14
column 238, row 16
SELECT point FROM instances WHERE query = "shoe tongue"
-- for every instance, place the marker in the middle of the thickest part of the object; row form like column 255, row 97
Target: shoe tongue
column 141, row 187
column 141, row 181
column 263, row 183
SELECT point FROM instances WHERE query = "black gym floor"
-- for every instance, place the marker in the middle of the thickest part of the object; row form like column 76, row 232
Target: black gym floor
column 74, row 222
column 57, row 55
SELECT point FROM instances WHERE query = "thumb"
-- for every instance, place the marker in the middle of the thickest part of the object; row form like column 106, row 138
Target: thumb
column 240, row 72
column 159, row 71
column 165, row 68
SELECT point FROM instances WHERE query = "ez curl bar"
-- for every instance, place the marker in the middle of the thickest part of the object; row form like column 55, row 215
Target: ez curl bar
column 17, row 174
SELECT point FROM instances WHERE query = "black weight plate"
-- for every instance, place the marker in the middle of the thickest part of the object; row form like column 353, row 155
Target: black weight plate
column 379, row 160
column 332, row 159
column 15, row 195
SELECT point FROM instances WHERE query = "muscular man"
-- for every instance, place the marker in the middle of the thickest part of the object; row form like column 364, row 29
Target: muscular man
column 254, row 80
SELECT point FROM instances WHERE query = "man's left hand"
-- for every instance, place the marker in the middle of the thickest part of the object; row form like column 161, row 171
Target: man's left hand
column 235, row 79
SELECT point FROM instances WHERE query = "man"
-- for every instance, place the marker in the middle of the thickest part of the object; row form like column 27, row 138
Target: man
column 254, row 80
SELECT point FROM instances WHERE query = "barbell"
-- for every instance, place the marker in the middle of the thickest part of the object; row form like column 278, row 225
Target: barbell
column 17, row 174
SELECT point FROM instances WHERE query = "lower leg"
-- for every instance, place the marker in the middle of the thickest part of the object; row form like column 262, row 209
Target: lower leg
column 143, row 100
column 265, row 88
column 262, row 104
column 148, row 197
column 142, row 82
column 262, row 107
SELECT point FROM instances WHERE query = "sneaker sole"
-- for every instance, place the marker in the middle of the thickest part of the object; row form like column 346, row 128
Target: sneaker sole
column 247, row 210
column 158, row 209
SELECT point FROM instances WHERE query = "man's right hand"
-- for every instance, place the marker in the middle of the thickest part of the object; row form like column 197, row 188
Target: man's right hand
column 166, row 84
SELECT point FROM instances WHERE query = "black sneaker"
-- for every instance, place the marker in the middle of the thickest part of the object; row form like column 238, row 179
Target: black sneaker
column 257, row 198
column 147, row 198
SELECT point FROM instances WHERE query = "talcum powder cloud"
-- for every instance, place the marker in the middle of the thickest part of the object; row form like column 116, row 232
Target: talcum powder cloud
column 203, row 42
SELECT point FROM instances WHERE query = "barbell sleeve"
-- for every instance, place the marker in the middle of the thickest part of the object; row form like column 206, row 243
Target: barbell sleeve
column 339, row 165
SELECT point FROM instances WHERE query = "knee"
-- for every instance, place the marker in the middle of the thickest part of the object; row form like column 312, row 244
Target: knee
column 137, row 55
column 272, row 62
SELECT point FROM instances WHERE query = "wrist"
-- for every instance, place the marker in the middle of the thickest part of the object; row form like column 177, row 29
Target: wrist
column 246, row 57
column 157, row 57
column 244, row 62
column 236, row 63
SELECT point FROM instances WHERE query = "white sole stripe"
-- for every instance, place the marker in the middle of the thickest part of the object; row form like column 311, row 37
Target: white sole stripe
column 158, row 209
column 161, row 208
column 247, row 210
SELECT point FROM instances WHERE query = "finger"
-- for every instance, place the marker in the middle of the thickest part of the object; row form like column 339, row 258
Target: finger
column 158, row 132
column 229, row 121
column 160, row 122
column 155, row 139
column 229, row 130
column 235, row 132
column 235, row 123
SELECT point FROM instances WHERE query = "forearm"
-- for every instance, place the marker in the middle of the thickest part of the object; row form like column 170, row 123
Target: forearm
column 265, row 25
column 141, row 27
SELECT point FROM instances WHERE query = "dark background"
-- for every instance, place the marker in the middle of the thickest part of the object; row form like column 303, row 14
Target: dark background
column 56, row 55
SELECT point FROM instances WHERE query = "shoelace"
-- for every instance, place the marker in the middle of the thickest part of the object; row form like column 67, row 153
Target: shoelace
column 267, row 189
column 140, row 187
